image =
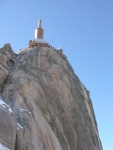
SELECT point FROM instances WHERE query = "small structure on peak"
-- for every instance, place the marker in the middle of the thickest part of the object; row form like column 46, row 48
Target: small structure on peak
column 39, row 31
column 38, row 39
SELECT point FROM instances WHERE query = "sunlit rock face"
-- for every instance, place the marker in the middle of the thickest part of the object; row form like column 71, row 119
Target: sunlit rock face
column 44, row 106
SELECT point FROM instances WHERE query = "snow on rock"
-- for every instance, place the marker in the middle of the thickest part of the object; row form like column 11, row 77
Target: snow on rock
column 10, row 110
column 19, row 127
column 3, row 103
column 2, row 147
column 23, row 110
column 4, row 106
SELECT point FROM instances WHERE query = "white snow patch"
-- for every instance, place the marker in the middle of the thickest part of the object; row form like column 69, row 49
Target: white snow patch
column 23, row 110
column 10, row 110
column 4, row 105
column 2, row 147
column 19, row 127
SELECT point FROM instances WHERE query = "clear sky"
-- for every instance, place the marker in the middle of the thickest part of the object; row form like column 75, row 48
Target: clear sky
column 84, row 30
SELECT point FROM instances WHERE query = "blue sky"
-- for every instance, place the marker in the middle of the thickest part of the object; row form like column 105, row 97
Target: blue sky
column 84, row 30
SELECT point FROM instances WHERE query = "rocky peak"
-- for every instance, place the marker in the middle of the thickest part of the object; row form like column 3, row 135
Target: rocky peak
column 44, row 105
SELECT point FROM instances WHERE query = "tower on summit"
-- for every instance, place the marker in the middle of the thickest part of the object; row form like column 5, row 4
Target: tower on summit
column 39, row 37
column 39, row 31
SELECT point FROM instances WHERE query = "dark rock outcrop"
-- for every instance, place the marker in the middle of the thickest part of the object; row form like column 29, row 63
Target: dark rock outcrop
column 44, row 106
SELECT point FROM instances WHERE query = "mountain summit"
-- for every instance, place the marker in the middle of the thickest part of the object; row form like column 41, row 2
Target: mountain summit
column 43, row 104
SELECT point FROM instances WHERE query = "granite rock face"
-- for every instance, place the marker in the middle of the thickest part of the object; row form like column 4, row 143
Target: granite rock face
column 7, row 57
column 43, row 105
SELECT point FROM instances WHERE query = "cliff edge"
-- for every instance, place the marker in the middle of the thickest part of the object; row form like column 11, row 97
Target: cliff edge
column 43, row 104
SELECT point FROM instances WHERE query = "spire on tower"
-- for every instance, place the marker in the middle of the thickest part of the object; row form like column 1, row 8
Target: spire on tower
column 39, row 23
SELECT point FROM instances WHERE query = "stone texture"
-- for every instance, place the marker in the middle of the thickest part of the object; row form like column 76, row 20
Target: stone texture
column 52, row 109
column 7, row 129
column 7, row 57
